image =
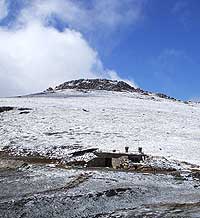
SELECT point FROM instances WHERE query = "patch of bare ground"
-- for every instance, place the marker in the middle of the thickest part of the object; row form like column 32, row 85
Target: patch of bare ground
column 175, row 210
column 32, row 159
column 178, row 205
column 69, row 185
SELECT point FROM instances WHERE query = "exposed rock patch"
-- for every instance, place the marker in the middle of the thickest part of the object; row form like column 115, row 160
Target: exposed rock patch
column 24, row 109
column 97, row 84
column 9, row 164
column 50, row 89
column 24, row 112
column 110, row 192
column 196, row 175
column 161, row 95
column 6, row 108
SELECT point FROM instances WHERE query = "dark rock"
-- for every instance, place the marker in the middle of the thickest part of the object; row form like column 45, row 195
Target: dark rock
column 97, row 84
column 24, row 109
column 110, row 192
column 85, row 110
column 82, row 152
column 6, row 108
column 196, row 175
column 50, row 89
column 55, row 133
column 24, row 112
column 161, row 95
column 90, row 195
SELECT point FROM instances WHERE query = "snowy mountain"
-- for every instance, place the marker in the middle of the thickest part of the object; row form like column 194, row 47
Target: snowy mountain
column 100, row 114
column 45, row 136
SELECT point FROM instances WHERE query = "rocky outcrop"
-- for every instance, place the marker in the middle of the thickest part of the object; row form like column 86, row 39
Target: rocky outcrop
column 50, row 89
column 6, row 108
column 97, row 84
column 161, row 95
column 103, row 84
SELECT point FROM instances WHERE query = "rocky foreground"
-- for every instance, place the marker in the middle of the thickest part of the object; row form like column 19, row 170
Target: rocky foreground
column 35, row 191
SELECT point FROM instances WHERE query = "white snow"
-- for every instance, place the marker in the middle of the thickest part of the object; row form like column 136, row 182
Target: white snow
column 105, row 120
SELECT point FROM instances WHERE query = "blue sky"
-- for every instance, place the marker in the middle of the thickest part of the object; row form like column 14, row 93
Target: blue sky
column 162, row 52
column 152, row 43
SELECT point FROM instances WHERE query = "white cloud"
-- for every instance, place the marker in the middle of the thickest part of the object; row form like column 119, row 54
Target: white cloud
column 34, row 55
column 3, row 9
column 101, row 14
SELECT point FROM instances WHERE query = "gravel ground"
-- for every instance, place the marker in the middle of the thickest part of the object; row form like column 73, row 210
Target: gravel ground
column 43, row 191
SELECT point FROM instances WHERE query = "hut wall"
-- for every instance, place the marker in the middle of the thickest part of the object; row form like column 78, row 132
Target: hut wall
column 100, row 162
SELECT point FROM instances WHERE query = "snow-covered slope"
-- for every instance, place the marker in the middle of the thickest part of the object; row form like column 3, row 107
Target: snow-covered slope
column 67, row 120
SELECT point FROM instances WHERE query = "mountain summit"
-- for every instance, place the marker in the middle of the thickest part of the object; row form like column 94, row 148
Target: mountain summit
column 97, row 84
column 102, row 84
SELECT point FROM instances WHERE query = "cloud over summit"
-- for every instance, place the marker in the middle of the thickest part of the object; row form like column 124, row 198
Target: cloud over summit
column 34, row 57
column 34, row 54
